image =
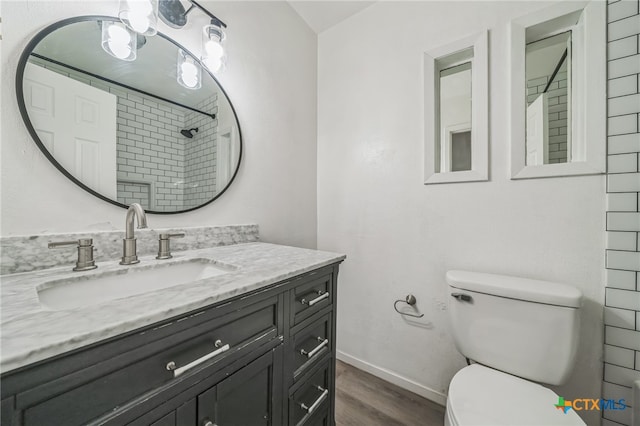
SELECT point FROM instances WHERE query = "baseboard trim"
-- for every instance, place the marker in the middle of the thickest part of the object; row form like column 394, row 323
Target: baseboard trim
column 396, row 379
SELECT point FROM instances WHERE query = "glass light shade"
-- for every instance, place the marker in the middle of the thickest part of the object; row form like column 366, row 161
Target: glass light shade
column 189, row 72
column 141, row 16
column 119, row 41
column 213, row 54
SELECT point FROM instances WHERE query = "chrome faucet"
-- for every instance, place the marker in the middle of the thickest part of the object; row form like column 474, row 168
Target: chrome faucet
column 129, row 256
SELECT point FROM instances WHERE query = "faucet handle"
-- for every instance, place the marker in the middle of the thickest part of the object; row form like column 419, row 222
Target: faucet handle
column 164, row 247
column 167, row 236
column 85, row 260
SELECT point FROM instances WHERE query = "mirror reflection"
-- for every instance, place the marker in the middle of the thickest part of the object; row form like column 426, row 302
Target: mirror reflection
column 548, row 79
column 131, row 131
column 455, row 112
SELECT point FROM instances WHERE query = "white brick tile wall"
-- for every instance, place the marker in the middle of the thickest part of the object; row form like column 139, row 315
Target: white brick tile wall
column 623, row 27
column 623, row 163
column 622, row 337
column 622, row 294
column 622, row 240
column 622, row 318
column 617, row 278
column 621, row 10
column 623, row 260
column 620, row 416
column 623, row 182
column 619, row 356
column 623, row 47
column 616, row 392
column 623, row 124
column 606, row 422
column 620, row 144
column 621, row 105
column 623, row 202
column 620, row 375
column 623, row 299
column 623, row 221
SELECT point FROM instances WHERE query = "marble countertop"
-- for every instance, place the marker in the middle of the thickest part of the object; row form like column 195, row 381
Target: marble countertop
column 31, row 332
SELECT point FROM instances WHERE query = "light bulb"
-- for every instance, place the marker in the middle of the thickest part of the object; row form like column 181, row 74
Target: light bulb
column 119, row 50
column 214, row 49
column 190, row 80
column 140, row 16
column 188, row 69
column 139, row 23
column 213, row 63
column 142, row 7
column 118, row 35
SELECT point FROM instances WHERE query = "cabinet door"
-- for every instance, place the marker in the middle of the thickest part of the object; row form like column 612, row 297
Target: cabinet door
column 184, row 415
column 250, row 397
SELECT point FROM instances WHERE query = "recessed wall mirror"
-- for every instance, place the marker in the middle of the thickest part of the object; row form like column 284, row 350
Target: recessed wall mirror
column 558, row 91
column 158, row 129
column 456, row 111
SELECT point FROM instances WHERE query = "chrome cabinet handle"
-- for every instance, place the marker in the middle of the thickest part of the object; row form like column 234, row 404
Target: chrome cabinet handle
column 324, row 342
column 317, row 402
column 177, row 371
column 208, row 423
column 312, row 302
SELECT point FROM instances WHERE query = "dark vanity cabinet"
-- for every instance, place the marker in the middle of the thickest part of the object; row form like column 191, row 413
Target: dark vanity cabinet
column 262, row 358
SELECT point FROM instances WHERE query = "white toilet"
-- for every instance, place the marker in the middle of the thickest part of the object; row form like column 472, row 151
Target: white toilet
column 516, row 330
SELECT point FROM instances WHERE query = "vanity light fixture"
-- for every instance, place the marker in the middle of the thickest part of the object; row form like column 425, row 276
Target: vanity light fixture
column 119, row 41
column 141, row 16
column 212, row 49
column 189, row 71
column 173, row 13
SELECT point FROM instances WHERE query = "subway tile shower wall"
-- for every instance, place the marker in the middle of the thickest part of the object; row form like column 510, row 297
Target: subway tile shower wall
column 157, row 166
column 622, row 296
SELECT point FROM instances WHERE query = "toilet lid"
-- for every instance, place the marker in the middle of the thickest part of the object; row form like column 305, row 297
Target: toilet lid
column 482, row 396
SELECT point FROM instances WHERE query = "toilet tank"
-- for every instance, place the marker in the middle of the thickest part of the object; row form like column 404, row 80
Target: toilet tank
column 524, row 327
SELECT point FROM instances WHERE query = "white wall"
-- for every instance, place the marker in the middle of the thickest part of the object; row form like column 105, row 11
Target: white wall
column 401, row 236
column 271, row 80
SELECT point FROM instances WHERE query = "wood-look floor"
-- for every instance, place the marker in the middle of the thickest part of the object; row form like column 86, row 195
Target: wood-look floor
column 365, row 400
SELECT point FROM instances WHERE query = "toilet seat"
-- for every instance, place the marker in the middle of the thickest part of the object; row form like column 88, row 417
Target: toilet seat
column 479, row 395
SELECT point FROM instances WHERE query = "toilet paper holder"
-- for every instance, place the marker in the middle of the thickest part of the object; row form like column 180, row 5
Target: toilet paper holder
column 409, row 300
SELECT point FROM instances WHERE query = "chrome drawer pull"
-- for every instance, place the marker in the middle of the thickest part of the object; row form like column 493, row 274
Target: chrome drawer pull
column 312, row 302
column 177, row 371
column 317, row 402
column 325, row 342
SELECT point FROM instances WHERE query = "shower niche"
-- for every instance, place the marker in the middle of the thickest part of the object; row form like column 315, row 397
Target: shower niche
column 128, row 131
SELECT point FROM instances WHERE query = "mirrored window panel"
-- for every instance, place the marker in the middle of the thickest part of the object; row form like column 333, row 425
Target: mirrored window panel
column 455, row 112
column 130, row 130
column 548, row 118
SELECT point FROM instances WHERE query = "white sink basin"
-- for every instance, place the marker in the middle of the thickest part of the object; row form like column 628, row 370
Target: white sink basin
column 87, row 290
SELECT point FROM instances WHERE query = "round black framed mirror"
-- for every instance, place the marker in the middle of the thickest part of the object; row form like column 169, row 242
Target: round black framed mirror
column 157, row 129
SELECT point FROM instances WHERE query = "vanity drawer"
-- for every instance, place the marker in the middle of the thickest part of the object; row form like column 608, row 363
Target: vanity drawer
column 311, row 343
column 202, row 349
column 312, row 396
column 311, row 297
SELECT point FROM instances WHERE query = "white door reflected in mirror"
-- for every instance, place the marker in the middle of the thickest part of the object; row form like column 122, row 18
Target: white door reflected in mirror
column 455, row 118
